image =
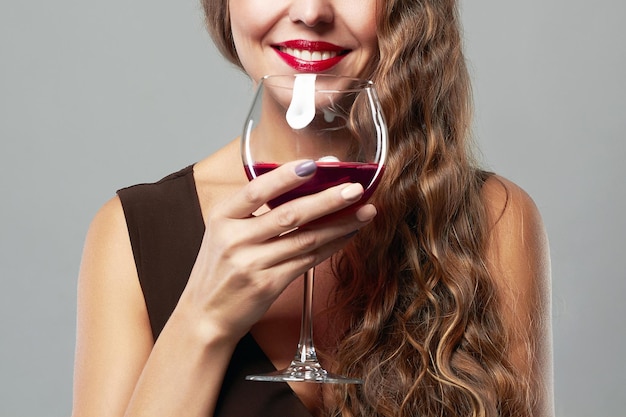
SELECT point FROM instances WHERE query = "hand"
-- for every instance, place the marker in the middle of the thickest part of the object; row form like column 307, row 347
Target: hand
column 246, row 261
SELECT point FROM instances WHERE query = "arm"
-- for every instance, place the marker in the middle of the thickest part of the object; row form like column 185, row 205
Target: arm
column 244, row 264
column 113, row 332
column 518, row 259
column 119, row 370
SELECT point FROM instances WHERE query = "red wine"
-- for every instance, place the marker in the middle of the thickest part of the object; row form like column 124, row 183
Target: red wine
column 328, row 174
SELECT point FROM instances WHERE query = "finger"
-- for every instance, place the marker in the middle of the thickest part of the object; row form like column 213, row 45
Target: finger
column 267, row 187
column 304, row 210
column 312, row 239
column 286, row 271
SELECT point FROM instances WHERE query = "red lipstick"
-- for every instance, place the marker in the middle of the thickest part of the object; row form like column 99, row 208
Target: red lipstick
column 310, row 56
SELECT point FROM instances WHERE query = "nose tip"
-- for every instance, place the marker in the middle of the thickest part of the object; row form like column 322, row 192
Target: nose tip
column 311, row 12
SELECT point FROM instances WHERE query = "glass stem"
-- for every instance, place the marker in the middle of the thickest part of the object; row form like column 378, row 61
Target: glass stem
column 306, row 350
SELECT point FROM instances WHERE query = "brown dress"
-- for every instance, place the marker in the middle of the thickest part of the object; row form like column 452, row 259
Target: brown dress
column 165, row 226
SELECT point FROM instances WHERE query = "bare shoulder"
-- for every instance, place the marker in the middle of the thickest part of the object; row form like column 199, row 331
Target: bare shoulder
column 110, row 308
column 507, row 202
column 517, row 238
column 519, row 262
column 108, row 219
column 108, row 276
column 107, row 243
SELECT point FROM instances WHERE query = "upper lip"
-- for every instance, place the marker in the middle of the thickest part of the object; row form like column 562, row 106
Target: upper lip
column 323, row 49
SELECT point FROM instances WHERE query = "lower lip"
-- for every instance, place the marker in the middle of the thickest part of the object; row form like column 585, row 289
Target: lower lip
column 309, row 66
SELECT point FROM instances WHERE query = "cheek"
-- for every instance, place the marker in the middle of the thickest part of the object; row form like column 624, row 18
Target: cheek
column 250, row 20
column 239, row 19
column 363, row 23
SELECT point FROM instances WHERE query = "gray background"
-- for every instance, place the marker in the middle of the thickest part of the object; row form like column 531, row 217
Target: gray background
column 98, row 95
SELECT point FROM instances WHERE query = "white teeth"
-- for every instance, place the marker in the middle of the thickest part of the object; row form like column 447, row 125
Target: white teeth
column 308, row 55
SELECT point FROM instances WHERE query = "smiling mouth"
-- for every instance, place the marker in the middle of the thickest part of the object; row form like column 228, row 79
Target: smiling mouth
column 310, row 50
column 307, row 55
column 310, row 56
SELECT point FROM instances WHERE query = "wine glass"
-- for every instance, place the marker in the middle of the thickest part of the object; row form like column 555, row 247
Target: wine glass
column 337, row 122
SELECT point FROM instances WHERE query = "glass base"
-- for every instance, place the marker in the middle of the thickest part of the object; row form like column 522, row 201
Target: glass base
column 304, row 372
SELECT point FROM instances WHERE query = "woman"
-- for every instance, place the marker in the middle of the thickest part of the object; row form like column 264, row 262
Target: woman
column 440, row 302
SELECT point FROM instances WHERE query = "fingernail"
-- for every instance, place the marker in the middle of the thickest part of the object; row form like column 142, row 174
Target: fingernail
column 352, row 192
column 306, row 168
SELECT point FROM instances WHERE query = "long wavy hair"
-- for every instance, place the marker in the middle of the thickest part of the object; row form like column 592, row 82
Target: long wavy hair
column 423, row 326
